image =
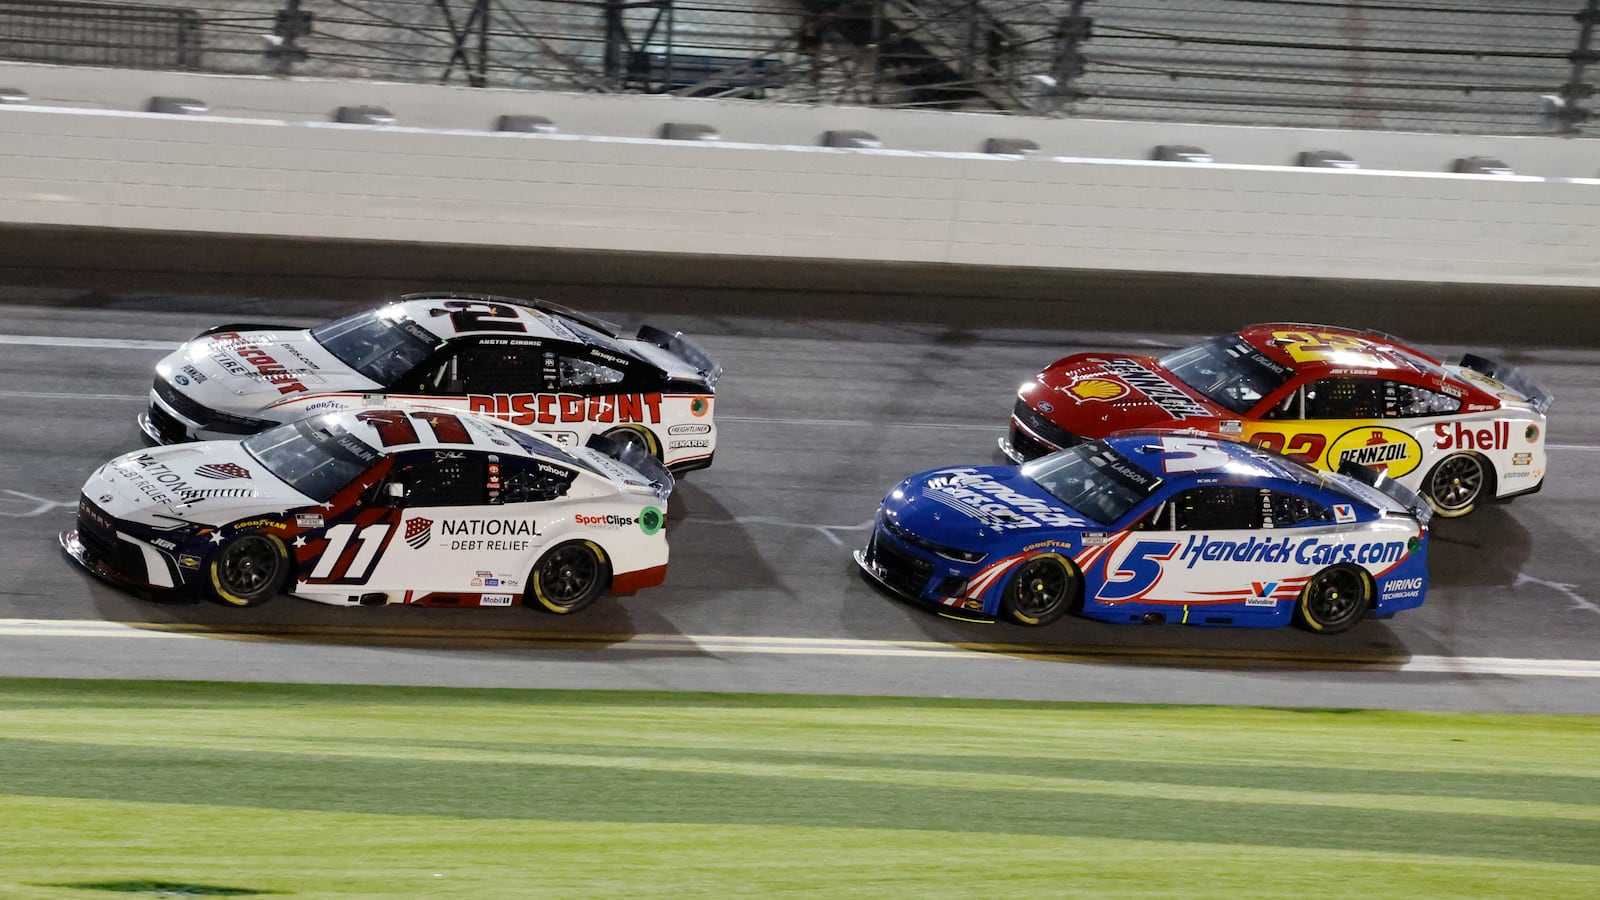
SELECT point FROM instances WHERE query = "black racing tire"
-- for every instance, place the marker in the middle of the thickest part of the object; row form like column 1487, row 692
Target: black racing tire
column 1335, row 599
column 1458, row 483
column 638, row 436
column 248, row 570
column 568, row 578
column 1042, row 590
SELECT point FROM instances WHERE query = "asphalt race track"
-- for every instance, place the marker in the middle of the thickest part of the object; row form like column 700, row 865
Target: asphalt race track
column 829, row 398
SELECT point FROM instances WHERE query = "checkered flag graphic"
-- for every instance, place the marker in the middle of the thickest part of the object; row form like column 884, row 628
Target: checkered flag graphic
column 418, row 532
column 221, row 471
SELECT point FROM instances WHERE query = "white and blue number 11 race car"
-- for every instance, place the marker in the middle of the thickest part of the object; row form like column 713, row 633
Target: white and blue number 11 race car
column 389, row 504
column 1154, row 527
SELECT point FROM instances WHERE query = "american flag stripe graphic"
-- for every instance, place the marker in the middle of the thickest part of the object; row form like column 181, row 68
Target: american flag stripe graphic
column 221, row 471
column 419, row 532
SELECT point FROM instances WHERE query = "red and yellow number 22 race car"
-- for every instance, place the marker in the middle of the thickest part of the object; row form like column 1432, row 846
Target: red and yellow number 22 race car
column 1457, row 434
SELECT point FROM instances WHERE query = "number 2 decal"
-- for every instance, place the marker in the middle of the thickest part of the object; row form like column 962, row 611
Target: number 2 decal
column 1307, row 345
column 475, row 315
column 333, row 567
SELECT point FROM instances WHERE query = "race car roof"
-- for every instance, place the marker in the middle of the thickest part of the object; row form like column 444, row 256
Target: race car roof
column 450, row 315
column 395, row 427
column 1163, row 454
column 1317, row 349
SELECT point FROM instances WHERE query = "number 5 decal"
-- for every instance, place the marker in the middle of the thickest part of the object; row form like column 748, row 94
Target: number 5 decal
column 1197, row 455
column 1138, row 572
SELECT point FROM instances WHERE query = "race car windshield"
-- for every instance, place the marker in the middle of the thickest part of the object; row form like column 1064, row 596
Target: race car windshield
column 381, row 344
column 1228, row 371
column 1092, row 479
column 313, row 456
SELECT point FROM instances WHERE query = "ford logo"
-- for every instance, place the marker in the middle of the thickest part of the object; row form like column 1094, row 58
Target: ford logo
column 1047, row 406
column 180, row 379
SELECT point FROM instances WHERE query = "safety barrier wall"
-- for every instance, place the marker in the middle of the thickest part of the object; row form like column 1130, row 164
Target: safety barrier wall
column 258, row 176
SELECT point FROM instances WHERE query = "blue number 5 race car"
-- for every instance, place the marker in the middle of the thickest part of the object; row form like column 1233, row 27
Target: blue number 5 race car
column 1154, row 527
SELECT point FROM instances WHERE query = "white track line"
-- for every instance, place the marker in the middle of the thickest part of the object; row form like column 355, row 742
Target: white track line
column 38, row 340
column 1451, row 665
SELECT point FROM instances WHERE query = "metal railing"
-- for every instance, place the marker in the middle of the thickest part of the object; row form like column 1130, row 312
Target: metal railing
column 1440, row 65
column 101, row 34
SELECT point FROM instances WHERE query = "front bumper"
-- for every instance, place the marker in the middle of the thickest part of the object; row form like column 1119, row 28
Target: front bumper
column 175, row 418
column 105, row 547
column 115, row 568
column 909, row 577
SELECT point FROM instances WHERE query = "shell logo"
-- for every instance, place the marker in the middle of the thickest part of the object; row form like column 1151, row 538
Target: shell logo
column 1385, row 449
column 1097, row 389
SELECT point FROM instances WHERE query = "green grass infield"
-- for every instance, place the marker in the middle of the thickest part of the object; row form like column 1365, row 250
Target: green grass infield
column 112, row 788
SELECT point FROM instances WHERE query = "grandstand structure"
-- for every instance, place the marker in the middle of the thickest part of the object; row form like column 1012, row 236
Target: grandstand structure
column 1473, row 66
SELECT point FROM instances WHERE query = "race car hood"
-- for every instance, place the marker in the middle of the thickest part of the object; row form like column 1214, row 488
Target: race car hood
column 1093, row 395
column 249, row 370
column 206, row 483
column 971, row 506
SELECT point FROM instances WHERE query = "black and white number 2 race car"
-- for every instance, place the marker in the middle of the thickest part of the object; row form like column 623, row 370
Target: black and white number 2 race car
column 389, row 505
column 540, row 365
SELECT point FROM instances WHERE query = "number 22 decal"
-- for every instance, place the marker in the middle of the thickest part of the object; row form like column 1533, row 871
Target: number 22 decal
column 358, row 568
column 1306, row 448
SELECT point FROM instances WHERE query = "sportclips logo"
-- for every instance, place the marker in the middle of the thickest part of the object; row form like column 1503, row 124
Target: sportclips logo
column 649, row 520
column 261, row 360
column 551, row 409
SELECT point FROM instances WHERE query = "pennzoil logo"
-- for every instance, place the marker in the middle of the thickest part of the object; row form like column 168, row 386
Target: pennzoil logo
column 1385, row 449
column 1104, row 389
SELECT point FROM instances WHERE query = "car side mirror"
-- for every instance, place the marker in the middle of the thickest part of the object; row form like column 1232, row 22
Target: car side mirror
column 395, row 491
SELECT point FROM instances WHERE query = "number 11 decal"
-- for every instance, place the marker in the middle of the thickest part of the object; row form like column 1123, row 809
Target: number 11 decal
column 368, row 544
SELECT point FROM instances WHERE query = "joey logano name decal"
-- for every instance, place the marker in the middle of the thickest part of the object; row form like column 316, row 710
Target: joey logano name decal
column 1305, row 551
column 274, row 372
column 1161, row 392
column 992, row 503
column 549, row 409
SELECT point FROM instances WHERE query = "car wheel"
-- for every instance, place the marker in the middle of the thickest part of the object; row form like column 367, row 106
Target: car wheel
column 249, row 570
column 568, row 577
column 1043, row 589
column 1334, row 599
column 1457, row 483
column 637, row 436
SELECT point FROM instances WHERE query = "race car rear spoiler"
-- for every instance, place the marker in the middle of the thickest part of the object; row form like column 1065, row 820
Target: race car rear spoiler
column 651, row 472
column 1394, row 490
column 1512, row 377
column 684, row 349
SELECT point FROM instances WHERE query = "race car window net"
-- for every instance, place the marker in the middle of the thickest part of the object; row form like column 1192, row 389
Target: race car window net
column 1093, row 480
column 380, row 344
column 312, row 457
column 1228, row 371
